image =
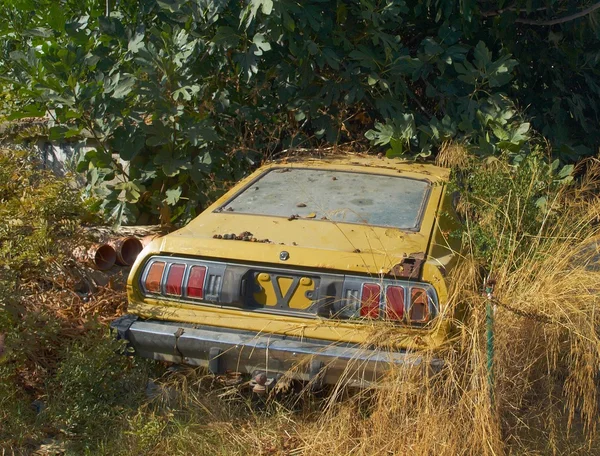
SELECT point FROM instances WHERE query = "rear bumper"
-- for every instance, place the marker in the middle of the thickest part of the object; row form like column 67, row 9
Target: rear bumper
column 223, row 350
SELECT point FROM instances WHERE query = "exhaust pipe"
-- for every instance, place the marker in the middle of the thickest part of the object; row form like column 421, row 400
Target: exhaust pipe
column 127, row 249
column 100, row 256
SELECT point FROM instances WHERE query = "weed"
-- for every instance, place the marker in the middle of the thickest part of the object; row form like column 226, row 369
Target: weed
column 95, row 387
column 504, row 204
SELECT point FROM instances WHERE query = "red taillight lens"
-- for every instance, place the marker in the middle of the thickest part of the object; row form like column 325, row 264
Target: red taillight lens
column 195, row 285
column 371, row 293
column 154, row 277
column 174, row 279
column 419, row 305
column 394, row 302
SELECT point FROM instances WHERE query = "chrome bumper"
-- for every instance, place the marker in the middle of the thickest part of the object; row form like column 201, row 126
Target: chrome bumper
column 223, row 350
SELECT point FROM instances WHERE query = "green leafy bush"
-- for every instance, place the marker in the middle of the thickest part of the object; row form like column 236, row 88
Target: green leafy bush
column 507, row 201
column 36, row 210
column 31, row 345
column 59, row 373
column 94, row 385
column 181, row 97
column 16, row 413
column 40, row 213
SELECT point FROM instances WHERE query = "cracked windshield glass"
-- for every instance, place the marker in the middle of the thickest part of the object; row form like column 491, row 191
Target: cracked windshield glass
column 340, row 196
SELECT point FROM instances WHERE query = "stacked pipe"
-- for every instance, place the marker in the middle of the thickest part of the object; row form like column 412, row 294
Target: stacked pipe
column 103, row 256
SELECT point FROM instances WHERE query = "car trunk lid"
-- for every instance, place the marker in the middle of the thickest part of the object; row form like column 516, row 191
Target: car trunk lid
column 300, row 243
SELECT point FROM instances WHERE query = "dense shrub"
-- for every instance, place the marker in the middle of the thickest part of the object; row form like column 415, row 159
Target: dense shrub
column 190, row 94
column 504, row 204
column 36, row 210
column 94, row 386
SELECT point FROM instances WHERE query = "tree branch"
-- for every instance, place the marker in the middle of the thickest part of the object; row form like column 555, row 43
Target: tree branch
column 560, row 20
column 508, row 8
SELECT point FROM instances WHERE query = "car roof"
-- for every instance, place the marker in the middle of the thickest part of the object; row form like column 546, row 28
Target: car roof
column 366, row 163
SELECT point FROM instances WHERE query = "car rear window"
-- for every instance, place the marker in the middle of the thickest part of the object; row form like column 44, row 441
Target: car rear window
column 341, row 196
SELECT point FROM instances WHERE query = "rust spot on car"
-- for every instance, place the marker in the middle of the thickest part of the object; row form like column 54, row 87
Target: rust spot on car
column 410, row 267
column 442, row 270
column 246, row 236
column 394, row 233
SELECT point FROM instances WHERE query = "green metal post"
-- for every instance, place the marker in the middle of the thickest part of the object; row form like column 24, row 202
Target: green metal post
column 489, row 324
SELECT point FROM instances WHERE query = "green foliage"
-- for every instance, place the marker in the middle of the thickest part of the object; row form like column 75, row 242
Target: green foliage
column 31, row 341
column 505, row 203
column 16, row 413
column 93, row 386
column 36, row 210
column 183, row 96
column 147, row 430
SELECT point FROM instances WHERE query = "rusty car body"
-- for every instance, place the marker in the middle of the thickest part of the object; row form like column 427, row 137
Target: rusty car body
column 300, row 268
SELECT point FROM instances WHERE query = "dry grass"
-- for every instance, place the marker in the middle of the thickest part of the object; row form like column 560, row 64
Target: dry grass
column 453, row 155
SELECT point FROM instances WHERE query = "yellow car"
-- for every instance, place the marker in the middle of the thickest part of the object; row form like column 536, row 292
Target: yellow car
column 320, row 268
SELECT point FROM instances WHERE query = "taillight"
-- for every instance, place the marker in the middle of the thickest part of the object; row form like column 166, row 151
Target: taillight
column 183, row 278
column 371, row 294
column 419, row 305
column 154, row 277
column 195, row 284
column 346, row 308
column 175, row 279
column 394, row 302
